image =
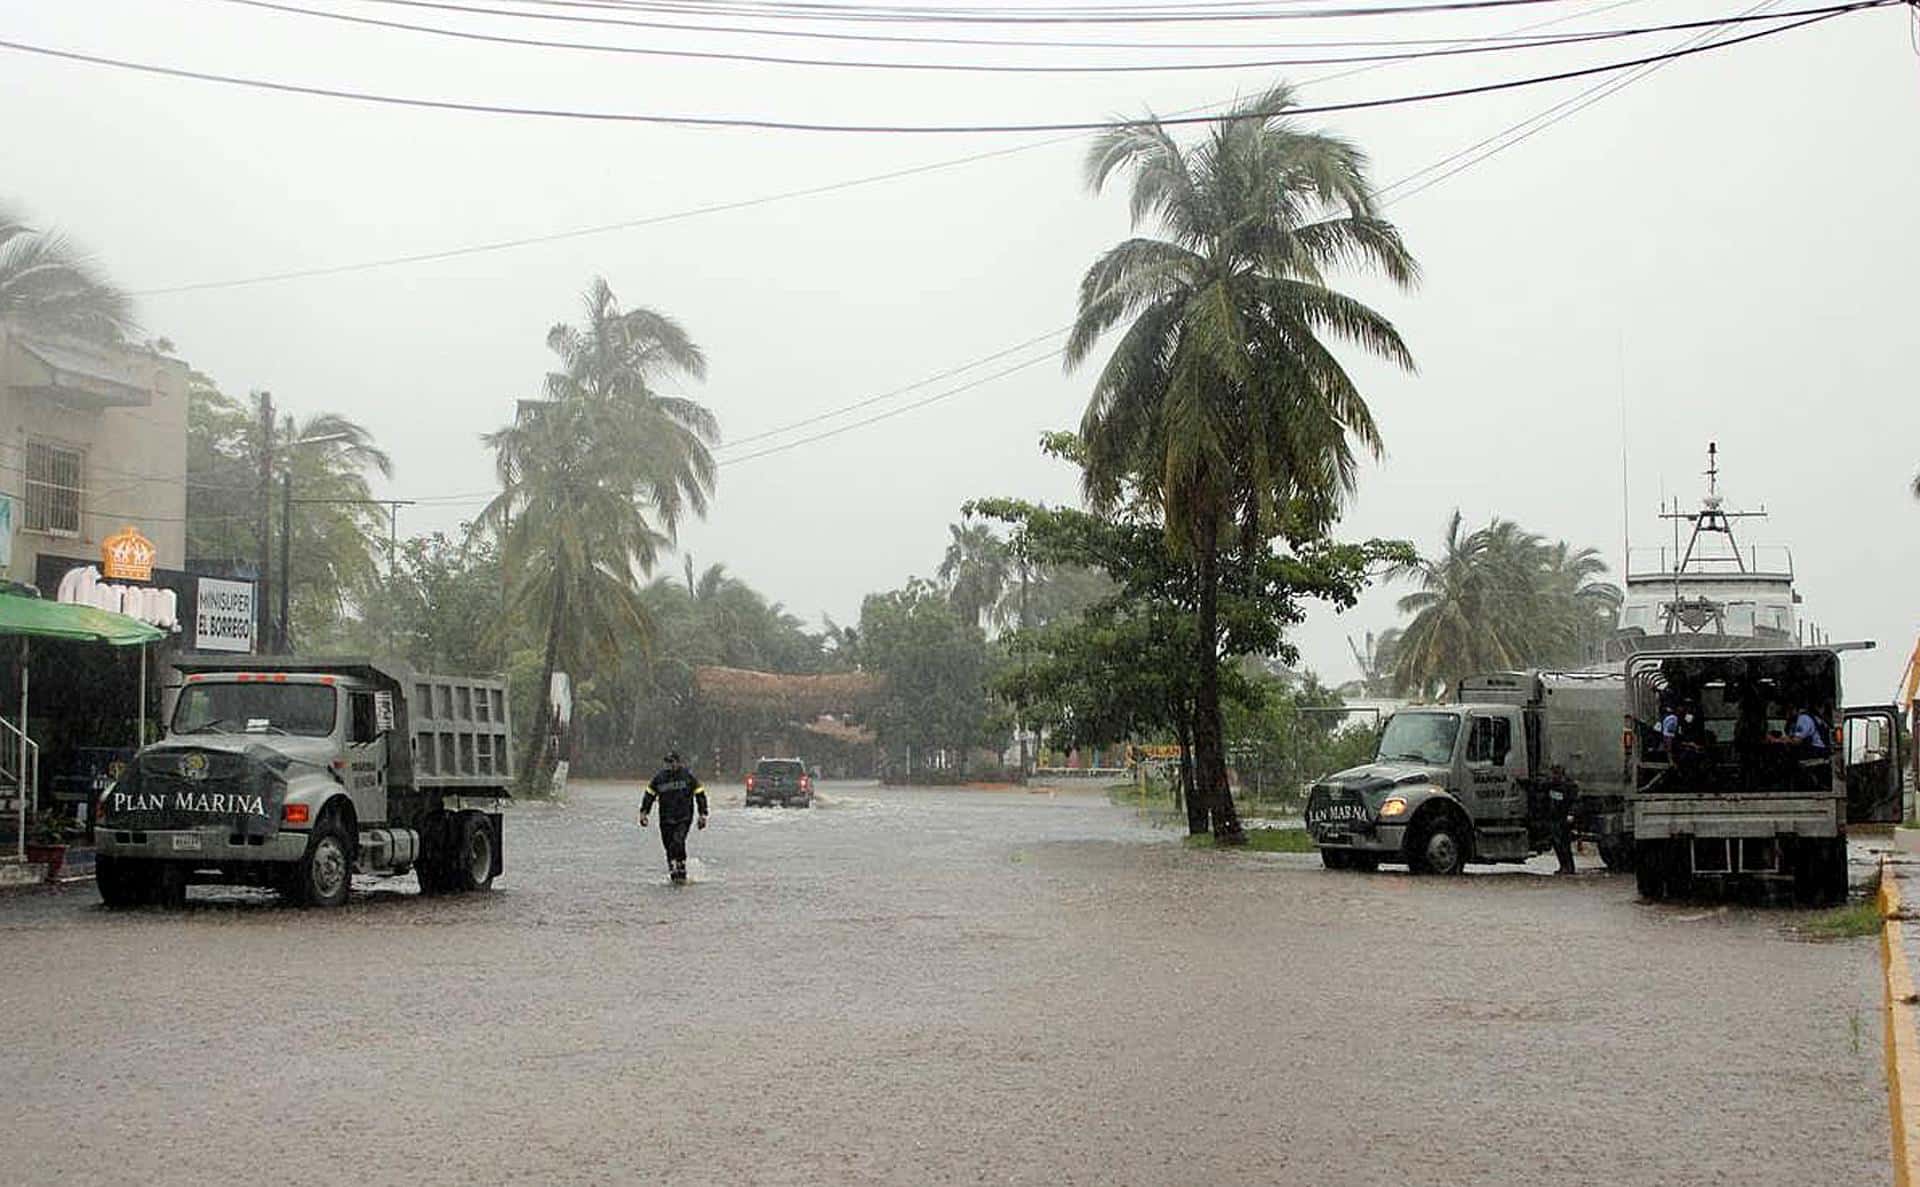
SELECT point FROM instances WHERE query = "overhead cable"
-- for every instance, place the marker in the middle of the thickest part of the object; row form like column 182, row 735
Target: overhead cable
column 768, row 124
column 1158, row 45
column 1503, row 45
column 743, row 203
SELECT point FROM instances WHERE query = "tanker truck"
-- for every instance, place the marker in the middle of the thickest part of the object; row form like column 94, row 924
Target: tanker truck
column 296, row 775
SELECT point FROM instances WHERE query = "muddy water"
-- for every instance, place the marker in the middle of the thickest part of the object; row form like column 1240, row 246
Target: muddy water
column 932, row 988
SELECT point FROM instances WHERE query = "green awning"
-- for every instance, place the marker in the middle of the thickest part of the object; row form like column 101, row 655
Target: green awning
column 42, row 619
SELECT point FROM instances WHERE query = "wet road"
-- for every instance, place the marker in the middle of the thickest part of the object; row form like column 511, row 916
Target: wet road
column 935, row 987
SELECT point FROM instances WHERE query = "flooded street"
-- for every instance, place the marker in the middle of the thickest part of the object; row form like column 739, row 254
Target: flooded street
column 920, row 986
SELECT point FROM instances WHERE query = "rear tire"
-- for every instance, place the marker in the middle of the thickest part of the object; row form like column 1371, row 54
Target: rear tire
column 123, row 882
column 472, row 859
column 1616, row 852
column 1650, row 870
column 1336, row 859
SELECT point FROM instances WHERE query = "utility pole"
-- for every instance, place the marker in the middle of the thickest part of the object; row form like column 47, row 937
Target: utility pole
column 264, row 531
column 286, row 560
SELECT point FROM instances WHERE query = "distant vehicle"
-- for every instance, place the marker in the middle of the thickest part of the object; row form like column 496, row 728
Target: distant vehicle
column 780, row 781
column 297, row 774
column 1469, row 782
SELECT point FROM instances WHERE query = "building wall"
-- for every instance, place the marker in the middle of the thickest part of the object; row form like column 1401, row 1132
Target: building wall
column 134, row 456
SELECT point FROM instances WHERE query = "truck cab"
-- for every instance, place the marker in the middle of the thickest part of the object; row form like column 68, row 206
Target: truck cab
column 1476, row 781
column 1446, row 786
column 297, row 774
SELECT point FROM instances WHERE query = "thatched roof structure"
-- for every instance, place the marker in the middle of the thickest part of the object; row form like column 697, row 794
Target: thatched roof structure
column 795, row 698
column 845, row 733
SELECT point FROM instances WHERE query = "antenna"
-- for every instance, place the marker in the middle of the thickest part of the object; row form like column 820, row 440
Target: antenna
column 1713, row 468
column 1626, row 503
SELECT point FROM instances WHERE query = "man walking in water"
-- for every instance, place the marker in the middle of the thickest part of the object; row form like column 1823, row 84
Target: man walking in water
column 679, row 793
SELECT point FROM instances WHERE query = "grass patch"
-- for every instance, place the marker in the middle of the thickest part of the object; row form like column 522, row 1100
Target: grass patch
column 1845, row 923
column 1264, row 840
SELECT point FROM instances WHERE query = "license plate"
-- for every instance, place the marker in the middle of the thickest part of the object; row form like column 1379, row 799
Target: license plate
column 186, row 841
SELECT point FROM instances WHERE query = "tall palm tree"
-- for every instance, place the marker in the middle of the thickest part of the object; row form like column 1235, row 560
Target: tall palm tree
column 48, row 283
column 1222, row 402
column 1500, row 597
column 976, row 567
column 595, row 480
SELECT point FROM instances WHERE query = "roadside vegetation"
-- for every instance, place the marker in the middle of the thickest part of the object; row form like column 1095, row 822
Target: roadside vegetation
column 1844, row 923
column 1262, row 840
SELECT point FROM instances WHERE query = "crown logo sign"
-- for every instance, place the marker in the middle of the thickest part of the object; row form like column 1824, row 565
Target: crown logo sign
column 127, row 556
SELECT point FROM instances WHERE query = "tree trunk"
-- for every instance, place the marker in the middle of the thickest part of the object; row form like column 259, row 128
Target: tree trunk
column 1196, row 807
column 1209, row 731
column 539, row 772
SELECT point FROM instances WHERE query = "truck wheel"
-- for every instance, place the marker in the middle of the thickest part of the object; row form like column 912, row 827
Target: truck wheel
column 167, row 884
column 472, row 863
column 122, row 881
column 1336, row 859
column 1616, row 853
column 1437, row 848
column 1650, row 870
column 325, row 872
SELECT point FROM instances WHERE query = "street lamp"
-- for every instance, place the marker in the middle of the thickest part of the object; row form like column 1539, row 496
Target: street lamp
column 283, row 634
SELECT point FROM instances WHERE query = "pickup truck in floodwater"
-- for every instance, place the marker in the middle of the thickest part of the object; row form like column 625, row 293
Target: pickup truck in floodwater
column 298, row 774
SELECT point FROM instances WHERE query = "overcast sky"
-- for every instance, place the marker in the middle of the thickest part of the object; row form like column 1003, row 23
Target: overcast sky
column 1727, row 247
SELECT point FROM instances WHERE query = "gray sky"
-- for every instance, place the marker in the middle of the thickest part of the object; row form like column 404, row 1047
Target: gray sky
column 1729, row 242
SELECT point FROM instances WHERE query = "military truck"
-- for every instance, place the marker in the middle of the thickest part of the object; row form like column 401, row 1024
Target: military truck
column 297, row 774
column 1469, row 782
column 1733, row 796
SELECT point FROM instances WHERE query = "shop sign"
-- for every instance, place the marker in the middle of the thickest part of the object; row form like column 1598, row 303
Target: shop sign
column 127, row 556
column 223, row 620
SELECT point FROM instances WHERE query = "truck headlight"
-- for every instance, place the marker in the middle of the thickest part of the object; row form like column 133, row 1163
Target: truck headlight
column 1393, row 806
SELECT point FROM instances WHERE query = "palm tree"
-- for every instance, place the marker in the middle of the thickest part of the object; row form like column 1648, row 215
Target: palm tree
column 595, row 481
column 976, row 568
column 1222, row 403
column 47, row 283
column 1499, row 598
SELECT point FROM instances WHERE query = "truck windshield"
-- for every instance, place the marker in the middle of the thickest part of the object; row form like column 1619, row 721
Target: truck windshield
column 303, row 709
column 1419, row 737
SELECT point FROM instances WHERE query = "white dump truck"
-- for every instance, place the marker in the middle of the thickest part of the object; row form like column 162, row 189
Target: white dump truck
column 297, row 774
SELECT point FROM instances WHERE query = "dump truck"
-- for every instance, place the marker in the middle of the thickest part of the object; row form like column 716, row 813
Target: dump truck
column 1453, row 784
column 1731, row 794
column 297, row 774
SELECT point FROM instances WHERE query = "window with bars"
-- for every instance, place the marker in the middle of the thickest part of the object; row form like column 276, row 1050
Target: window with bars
column 55, row 488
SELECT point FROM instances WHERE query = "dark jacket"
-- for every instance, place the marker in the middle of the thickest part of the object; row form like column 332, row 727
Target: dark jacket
column 679, row 792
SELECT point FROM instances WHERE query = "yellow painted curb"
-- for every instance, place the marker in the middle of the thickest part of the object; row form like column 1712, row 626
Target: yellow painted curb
column 1903, row 1037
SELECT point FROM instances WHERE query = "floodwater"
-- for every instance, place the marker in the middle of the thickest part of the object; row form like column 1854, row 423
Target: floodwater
column 935, row 987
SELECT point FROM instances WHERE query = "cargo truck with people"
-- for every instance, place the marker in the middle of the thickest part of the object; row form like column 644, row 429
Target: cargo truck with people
column 297, row 774
column 1485, row 779
column 1746, row 767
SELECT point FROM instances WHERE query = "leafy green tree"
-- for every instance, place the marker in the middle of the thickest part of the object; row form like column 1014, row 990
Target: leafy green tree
column 1222, row 401
column 595, row 480
column 339, row 550
column 937, row 667
column 47, row 283
column 1124, row 669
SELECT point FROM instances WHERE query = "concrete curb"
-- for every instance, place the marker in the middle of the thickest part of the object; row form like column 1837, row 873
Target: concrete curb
column 1903, row 1036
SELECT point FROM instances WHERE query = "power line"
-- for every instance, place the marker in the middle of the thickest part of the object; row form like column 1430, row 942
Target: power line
column 1465, row 47
column 765, row 124
column 745, row 203
column 1540, row 121
column 1018, row 17
column 892, row 38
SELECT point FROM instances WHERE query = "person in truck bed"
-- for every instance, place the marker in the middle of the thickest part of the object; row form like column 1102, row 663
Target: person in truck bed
column 680, row 793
